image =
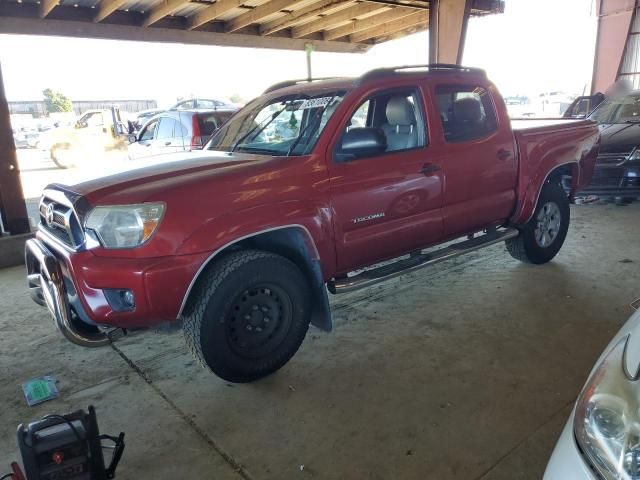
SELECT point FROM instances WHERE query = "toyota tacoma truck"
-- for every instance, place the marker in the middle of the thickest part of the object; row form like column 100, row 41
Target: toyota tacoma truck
column 315, row 186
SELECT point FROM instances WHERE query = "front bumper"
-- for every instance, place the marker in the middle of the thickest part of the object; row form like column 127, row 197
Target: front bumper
column 566, row 461
column 47, row 288
column 74, row 285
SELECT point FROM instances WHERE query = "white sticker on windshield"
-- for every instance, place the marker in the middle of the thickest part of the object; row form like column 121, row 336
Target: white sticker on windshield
column 320, row 102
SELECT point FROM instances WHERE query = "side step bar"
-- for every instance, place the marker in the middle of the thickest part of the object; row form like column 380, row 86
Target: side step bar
column 418, row 260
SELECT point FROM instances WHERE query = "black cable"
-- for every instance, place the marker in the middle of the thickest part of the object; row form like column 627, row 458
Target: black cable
column 6, row 475
column 67, row 421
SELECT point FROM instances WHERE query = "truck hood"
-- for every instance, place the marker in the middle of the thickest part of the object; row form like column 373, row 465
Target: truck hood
column 163, row 173
column 619, row 137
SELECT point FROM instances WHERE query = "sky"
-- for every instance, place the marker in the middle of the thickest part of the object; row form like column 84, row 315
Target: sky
column 535, row 46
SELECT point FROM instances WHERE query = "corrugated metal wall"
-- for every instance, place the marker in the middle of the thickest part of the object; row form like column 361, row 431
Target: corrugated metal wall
column 630, row 66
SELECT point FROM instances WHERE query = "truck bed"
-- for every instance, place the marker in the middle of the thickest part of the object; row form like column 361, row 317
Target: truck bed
column 526, row 125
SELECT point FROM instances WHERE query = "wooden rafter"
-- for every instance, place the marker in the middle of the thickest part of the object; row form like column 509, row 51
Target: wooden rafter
column 46, row 6
column 162, row 9
column 391, row 27
column 258, row 13
column 106, row 8
column 299, row 16
column 212, row 12
column 402, row 33
column 335, row 19
column 355, row 26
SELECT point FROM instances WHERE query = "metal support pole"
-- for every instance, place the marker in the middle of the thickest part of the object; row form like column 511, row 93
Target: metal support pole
column 13, row 210
column 448, row 20
column 309, row 48
column 434, row 8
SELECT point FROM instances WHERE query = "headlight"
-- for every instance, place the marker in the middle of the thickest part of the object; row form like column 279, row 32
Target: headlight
column 125, row 226
column 607, row 419
column 635, row 154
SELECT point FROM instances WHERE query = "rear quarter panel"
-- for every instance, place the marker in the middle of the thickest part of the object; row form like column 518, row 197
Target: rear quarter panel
column 543, row 146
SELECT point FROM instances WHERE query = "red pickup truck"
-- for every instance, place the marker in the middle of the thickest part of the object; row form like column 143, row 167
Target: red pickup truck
column 314, row 186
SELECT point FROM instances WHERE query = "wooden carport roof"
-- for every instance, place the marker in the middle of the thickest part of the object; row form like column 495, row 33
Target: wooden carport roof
column 330, row 25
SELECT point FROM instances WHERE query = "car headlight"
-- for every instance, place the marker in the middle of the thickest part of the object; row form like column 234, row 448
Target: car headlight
column 607, row 419
column 125, row 226
column 635, row 154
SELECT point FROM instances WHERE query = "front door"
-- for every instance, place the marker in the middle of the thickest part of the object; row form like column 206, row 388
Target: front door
column 385, row 203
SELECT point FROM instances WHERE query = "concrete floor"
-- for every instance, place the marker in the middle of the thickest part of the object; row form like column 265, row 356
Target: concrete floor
column 465, row 371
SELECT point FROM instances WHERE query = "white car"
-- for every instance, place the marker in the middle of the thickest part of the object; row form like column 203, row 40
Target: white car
column 601, row 440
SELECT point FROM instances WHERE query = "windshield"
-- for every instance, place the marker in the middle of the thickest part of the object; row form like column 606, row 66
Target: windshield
column 618, row 110
column 284, row 126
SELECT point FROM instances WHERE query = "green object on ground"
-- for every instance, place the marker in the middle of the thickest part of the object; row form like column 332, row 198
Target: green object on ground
column 41, row 389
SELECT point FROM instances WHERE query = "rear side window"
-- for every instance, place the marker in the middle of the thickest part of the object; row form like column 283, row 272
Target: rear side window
column 467, row 112
column 208, row 124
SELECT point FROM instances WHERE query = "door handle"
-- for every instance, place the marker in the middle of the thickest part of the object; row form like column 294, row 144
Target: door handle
column 166, row 144
column 429, row 169
column 503, row 154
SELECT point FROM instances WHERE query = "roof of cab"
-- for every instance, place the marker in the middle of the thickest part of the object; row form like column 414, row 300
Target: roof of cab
column 338, row 83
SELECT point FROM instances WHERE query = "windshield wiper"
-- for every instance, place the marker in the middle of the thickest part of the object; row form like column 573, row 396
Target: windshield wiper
column 315, row 122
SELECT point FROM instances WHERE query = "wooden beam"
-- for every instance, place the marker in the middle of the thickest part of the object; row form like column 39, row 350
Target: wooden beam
column 391, row 27
column 132, row 32
column 257, row 14
column 366, row 23
column 338, row 18
column 299, row 16
column 106, row 8
column 46, row 6
column 214, row 11
column 401, row 33
column 163, row 9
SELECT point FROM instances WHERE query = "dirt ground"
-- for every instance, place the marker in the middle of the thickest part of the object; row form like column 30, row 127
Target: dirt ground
column 467, row 370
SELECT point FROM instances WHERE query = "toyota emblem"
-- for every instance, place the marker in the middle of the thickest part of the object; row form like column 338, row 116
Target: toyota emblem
column 48, row 216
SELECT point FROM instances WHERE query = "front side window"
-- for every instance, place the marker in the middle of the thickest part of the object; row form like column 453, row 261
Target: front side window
column 394, row 117
column 284, row 126
column 147, row 132
column 467, row 112
column 165, row 129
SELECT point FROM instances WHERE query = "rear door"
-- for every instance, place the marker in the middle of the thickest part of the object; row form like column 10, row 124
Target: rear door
column 387, row 204
column 477, row 153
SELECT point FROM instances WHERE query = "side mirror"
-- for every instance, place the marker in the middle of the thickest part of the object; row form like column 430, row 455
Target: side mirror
column 132, row 138
column 361, row 142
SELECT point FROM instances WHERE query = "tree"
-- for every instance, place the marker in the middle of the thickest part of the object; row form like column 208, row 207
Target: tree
column 56, row 101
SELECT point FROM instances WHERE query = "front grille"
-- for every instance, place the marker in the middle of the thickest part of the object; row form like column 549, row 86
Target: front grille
column 612, row 158
column 62, row 225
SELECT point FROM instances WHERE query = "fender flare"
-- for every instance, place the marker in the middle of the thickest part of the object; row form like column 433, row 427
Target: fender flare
column 294, row 242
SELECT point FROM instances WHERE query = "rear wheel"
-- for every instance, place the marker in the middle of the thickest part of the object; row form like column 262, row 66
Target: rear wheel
column 249, row 315
column 542, row 237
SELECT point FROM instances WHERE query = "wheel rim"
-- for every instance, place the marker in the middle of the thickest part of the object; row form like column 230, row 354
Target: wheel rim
column 258, row 320
column 548, row 224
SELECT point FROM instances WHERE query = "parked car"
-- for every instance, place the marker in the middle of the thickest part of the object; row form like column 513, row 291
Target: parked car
column 94, row 133
column 617, row 171
column 582, row 106
column 601, row 439
column 25, row 137
column 176, row 131
column 204, row 103
column 142, row 117
column 241, row 241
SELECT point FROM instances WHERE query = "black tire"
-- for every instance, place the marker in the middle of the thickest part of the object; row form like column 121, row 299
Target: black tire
column 527, row 247
column 218, row 318
column 59, row 153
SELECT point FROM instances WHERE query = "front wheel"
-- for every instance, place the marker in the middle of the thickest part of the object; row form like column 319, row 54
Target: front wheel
column 542, row 237
column 249, row 315
column 63, row 155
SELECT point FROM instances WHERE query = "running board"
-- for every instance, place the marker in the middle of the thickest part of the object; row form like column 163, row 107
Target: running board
column 418, row 260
